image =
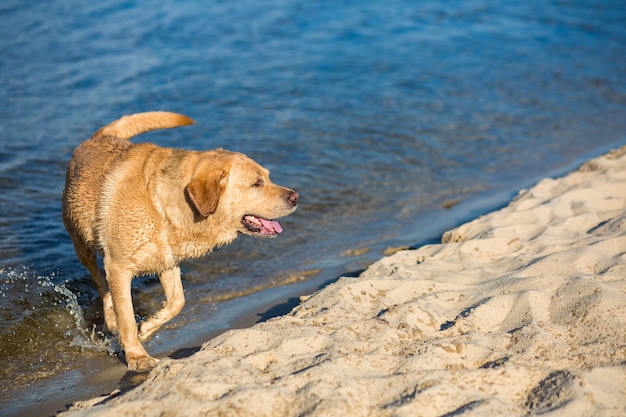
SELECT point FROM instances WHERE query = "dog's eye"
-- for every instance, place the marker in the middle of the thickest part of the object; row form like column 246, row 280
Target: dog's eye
column 258, row 184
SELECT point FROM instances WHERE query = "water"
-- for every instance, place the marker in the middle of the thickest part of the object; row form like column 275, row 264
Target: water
column 377, row 112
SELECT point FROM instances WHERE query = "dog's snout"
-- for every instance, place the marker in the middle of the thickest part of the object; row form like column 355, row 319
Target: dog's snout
column 293, row 197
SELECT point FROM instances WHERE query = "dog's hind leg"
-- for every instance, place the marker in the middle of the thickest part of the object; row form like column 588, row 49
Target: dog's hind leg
column 174, row 303
column 87, row 256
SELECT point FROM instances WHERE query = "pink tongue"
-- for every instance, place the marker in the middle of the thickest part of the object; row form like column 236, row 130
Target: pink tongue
column 271, row 225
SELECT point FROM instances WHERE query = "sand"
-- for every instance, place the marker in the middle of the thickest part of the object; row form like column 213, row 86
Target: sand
column 519, row 312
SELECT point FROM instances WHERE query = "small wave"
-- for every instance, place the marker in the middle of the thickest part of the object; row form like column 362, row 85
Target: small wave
column 43, row 327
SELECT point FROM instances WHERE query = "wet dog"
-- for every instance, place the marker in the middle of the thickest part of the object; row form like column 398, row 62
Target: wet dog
column 146, row 208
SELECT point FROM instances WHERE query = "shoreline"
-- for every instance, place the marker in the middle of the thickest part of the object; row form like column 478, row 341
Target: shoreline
column 107, row 374
column 516, row 312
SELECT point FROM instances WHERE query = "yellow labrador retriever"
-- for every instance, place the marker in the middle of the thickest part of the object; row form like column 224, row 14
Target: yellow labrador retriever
column 145, row 209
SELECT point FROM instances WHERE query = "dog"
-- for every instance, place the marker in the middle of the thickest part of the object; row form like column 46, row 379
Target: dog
column 146, row 208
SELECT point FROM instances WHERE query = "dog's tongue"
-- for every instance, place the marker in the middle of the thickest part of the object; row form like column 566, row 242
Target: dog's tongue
column 272, row 226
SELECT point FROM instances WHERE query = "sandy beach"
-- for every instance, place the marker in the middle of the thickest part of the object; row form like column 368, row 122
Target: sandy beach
column 518, row 312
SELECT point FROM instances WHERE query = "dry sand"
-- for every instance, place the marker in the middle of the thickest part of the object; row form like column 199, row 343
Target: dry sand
column 519, row 312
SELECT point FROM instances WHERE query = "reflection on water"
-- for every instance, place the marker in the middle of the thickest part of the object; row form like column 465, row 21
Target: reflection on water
column 378, row 113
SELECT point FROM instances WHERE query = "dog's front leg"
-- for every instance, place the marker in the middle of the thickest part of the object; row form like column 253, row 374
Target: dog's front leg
column 119, row 279
column 174, row 303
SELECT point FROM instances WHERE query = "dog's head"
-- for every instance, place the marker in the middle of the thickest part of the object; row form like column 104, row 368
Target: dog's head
column 239, row 192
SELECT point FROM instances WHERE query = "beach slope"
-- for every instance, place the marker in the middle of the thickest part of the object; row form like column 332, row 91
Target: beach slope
column 519, row 312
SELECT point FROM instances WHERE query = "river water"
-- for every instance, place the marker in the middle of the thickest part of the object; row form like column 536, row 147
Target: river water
column 382, row 114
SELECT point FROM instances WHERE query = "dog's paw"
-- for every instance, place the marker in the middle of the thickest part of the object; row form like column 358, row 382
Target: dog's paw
column 146, row 330
column 141, row 363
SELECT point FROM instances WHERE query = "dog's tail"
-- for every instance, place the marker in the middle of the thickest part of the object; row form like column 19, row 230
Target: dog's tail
column 135, row 124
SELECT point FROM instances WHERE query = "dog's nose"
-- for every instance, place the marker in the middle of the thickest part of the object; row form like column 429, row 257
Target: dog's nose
column 293, row 197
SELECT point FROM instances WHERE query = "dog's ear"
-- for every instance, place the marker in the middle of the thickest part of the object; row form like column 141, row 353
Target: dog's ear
column 204, row 190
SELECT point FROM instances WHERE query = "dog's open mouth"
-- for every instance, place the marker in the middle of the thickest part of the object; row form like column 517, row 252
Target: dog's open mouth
column 260, row 226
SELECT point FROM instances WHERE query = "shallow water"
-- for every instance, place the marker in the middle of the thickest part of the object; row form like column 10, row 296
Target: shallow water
column 379, row 113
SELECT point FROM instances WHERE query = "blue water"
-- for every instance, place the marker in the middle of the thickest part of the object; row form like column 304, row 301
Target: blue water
column 377, row 112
